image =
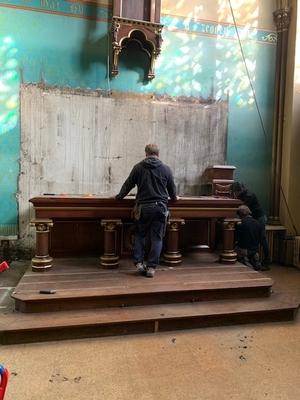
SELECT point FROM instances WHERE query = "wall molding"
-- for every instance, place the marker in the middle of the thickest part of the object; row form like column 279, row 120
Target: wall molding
column 103, row 12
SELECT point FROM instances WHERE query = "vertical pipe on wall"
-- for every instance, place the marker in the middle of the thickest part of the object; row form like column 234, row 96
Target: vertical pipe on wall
column 282, row 20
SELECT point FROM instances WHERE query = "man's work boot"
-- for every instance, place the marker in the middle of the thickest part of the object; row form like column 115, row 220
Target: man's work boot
column 245, row 260
column 140, row 268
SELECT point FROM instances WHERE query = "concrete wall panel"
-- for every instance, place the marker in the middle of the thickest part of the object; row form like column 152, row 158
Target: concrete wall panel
column 79, row 142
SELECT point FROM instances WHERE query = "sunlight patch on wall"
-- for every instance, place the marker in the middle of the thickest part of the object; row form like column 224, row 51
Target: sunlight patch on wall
column 9, row 85
column 231, row 72
column 180, row 65
column 185, row 66
column 246, row 12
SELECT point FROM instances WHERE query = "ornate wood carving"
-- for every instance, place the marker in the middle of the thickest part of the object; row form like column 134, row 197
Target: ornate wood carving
column 172, row 255
column 228, row 255
column 141, row 25
column 42, row 261
column 217, row 180
column 110, row 259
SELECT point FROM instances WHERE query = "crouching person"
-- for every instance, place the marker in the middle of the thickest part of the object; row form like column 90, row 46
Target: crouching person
column 249, row 236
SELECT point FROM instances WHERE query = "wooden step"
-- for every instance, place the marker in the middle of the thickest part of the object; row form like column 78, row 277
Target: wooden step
column 94, row 289
column 23, row 328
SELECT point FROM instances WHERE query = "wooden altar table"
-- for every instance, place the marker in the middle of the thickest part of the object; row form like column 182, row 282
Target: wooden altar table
column 88, row 222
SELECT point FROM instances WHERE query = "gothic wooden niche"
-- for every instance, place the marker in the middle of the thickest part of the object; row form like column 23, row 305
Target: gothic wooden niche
column 139, row 21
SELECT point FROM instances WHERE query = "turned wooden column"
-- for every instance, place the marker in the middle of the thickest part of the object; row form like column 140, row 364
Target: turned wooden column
column 42, row 262
column 228, row 255
column 110, row 259
column 282, row 18
column 172, row 255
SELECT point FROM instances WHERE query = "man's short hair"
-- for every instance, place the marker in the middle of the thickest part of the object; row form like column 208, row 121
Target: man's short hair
column 152, row 150
column 243, row 211
column 238, row 187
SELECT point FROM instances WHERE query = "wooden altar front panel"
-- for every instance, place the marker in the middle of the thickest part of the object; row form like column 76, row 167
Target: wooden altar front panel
column 77, row 230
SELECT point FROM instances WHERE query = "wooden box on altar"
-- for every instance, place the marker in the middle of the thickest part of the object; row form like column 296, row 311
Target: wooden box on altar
column 217, row 180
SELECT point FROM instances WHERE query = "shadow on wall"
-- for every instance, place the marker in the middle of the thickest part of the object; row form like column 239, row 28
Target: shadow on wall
column 94, row 49
column 134, row 59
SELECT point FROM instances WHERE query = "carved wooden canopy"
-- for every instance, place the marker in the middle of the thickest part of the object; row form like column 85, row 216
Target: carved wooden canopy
column 138, row 21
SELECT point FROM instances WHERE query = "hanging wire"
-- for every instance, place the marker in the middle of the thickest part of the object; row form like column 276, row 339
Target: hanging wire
column 258, row 111
column 289, row 212
column 247, row 70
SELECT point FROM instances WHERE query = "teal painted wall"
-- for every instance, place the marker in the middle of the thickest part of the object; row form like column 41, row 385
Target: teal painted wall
column 201, row 59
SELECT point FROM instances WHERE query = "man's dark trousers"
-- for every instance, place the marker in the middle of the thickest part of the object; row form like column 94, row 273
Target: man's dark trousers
column 152, row 223
column 262, row 220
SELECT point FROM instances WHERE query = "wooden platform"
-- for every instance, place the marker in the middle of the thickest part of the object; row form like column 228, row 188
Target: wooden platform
column 81, row 284
column 90, row 301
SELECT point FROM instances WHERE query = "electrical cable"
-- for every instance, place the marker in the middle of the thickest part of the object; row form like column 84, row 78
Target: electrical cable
column 247, row 70
column 289, row 212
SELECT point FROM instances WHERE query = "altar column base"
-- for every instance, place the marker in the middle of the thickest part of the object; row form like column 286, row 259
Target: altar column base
column 42, row 262
column 110, row 258
column 228, row 255
column 172, row 256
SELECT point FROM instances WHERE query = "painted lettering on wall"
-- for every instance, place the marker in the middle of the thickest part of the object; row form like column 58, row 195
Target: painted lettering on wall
column 51, row 4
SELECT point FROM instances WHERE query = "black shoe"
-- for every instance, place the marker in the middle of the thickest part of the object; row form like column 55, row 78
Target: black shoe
column 266, row 263
column 150, row 272
column 245, row 261
column 261, row 268
column 265, row 267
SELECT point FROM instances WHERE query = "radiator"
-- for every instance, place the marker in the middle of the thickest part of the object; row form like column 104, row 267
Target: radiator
column 291, row 251
column 275, row 237
column 296, row 252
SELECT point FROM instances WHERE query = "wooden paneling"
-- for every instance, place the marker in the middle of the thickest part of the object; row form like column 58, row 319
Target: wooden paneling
column 82, row 284
column 28, row 328
column 133, row 9
column 91, row 302
column 76, row 238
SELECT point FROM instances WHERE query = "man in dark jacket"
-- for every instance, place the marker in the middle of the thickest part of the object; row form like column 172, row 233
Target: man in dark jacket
column 251, row 201
column 155, row 184
column 249, row 234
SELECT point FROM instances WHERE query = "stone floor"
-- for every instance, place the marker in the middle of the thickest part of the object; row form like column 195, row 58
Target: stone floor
column 251, row 362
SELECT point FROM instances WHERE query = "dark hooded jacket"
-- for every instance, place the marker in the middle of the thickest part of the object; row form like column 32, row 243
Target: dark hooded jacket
column 251, row 201
column 154, row 181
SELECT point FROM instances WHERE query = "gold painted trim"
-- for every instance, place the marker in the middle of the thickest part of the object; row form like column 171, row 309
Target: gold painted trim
column 91, row 3
column 187, row 32
column 202, row 209
column 212, row 21
column 46, row 261
column 83, row 208
column 129, row 208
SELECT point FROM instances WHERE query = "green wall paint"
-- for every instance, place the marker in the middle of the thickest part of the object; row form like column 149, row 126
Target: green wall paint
column 204, row 60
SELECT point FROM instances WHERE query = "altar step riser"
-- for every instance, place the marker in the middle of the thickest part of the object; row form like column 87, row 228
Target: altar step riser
column 141, row 320
column 139, row 299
